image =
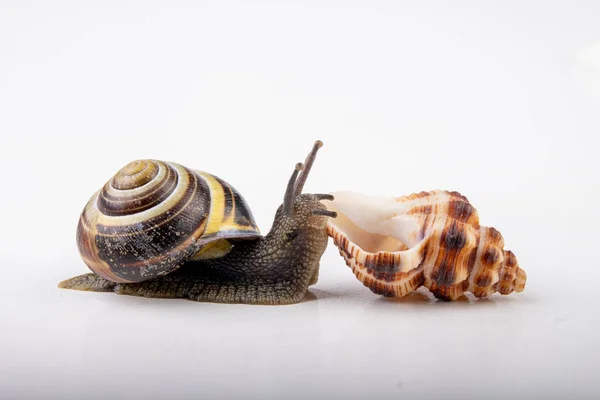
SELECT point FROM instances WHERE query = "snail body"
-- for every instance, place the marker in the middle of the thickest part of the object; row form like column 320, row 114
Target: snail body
column 158, row 229
column 431, row 239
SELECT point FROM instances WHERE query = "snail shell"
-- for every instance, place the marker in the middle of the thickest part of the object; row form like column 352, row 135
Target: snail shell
column 431, row 239
column 153, row 215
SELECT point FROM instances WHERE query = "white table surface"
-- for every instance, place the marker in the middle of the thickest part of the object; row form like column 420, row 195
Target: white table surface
column 500, row 102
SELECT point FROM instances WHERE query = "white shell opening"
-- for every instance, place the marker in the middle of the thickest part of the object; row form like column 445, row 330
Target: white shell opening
column 368, row 241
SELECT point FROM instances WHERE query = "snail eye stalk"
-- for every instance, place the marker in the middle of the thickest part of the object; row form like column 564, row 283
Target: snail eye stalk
column 310, row 159
column 288, row 199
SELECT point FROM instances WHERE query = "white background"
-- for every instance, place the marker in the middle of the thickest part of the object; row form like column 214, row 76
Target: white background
column 499, row 101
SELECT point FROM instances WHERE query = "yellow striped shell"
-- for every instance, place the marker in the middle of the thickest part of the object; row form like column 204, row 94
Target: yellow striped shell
column 153, row 215
column 431, row 239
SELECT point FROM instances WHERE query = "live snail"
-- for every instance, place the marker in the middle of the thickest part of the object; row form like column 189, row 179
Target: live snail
column 158, row 229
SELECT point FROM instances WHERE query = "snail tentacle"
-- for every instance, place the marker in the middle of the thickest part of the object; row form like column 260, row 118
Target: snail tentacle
column 324, row 196
column 308, row 163
column 288, row 199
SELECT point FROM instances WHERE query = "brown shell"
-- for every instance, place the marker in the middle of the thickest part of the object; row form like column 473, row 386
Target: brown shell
column 153, row 215
column 430, row 239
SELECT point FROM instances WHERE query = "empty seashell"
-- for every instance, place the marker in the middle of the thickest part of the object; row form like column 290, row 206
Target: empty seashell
column 431, row 239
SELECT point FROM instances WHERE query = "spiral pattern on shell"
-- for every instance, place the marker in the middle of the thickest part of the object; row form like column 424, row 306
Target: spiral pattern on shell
column 153, row 215
column 431, row 239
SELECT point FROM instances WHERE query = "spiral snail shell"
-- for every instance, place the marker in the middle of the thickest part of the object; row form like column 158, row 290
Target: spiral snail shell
column 431, row 239
column 152, row 215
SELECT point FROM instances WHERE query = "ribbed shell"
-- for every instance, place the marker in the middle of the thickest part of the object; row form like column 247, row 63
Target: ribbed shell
column 154, row 215
column 395, row 245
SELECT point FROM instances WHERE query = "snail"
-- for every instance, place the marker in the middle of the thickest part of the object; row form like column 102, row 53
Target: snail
column 158, row 229
column 431, row 239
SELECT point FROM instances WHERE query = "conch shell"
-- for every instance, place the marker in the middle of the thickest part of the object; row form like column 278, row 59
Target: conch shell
column 431, row 239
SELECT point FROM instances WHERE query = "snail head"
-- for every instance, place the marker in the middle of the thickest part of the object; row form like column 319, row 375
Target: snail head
column 303, row 211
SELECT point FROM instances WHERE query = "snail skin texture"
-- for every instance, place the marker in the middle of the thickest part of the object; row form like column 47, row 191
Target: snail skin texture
column 158, row 229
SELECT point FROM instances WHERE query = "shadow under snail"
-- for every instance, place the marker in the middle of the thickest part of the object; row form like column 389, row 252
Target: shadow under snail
column 158, row 229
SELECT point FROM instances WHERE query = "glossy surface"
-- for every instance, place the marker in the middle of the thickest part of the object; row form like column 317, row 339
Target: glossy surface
column 498, row 100
column 343, row 340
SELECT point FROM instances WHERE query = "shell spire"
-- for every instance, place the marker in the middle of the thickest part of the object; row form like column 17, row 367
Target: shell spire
column 431, row 239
